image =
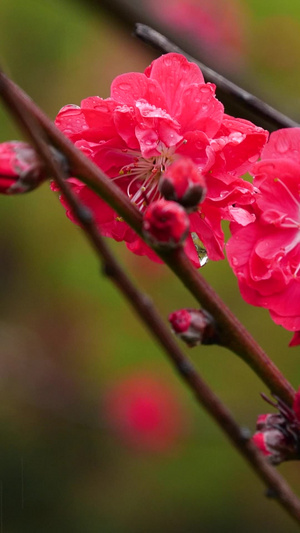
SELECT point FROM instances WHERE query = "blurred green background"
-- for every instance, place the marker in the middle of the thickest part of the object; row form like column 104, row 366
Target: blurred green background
column 67, row 337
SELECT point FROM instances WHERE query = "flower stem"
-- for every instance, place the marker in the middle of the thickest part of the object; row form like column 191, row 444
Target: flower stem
column 234, row 335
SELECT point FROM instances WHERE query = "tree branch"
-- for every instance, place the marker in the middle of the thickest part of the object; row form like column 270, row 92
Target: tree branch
column 247, row 100
column 144, row 309
column 234, row 335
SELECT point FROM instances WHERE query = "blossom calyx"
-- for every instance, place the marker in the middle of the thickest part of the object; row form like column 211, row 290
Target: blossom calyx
column 194, row 326
column 182, row 182
column 278, row 434
column 165, row 224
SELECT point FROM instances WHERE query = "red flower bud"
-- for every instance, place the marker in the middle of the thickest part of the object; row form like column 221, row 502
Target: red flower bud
column 21, row 169
column 278, row 435
column 182, row 182
column 194, row 326
column 273, row 444
column 165, row 224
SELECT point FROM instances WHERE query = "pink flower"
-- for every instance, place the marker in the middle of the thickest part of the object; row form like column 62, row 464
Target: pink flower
column 265, row 254
column 217, row 25
column 278, row 434
column 151, row 120
column 146, row 413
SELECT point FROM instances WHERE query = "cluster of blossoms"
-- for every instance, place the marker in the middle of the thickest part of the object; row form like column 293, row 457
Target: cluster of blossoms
column 278, row 434
column 164, row 139
column 150, row 121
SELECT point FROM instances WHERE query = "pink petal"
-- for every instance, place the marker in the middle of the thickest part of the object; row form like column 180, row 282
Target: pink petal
column 174, row 73
column 207, row 225
column 283, row 143
column 128, row 88
column 202, row 110
column 139, row 247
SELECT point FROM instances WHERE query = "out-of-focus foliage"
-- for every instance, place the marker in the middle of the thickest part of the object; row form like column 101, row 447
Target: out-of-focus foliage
column 67, row 337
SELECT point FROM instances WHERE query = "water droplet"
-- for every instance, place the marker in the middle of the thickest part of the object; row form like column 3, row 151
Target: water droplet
column 125, row 86
column 201, row 252
column 167, row 61
column 282, row 144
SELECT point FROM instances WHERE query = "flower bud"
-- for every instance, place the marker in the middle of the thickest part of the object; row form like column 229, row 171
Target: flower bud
column 278, row 434
column 274, row 445
column 268, row 421
column 182, row 182
column 165, row 224
column 21, row 169
column 194, row 326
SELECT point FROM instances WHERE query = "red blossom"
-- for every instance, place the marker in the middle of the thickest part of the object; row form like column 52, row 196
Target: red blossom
column 265, row 254
column 165, row 224
column 146, row 413
column 151, row 120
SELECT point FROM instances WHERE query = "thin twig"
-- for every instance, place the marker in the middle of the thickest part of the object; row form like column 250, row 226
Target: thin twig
column 244, row 98
column 234, row 334
column 144, row 309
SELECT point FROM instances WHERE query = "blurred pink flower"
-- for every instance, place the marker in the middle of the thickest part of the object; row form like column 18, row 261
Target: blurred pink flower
column 145, row 411
column 217, row 25
column 149, row 121
column 265, row 254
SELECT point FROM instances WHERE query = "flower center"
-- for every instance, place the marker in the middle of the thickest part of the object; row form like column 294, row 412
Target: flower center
column 144, row 174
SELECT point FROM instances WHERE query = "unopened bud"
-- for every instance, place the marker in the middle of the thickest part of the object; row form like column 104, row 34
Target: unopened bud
column 276, row 445
column 268, row 421
column 278, row 434
column 21, row 169
column 165, row 224
column 182, row 182
column 194, row 326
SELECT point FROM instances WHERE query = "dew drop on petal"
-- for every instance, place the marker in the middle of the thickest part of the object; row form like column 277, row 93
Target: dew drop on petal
column 282, row 144
column 125, row 87
column 201, row 252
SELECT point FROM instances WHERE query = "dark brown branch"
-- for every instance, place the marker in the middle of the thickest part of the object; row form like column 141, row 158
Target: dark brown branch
column 234, row 335
column 247, row 100
column 238, row 102
column 145, row 310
